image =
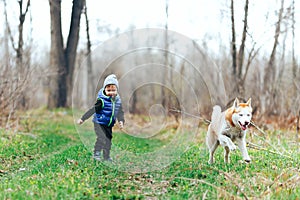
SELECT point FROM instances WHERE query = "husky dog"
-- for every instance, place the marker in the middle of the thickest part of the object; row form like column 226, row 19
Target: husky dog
column 228, row 127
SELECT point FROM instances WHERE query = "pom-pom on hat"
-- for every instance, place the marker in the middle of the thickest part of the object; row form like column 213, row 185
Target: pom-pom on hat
column 111, row 80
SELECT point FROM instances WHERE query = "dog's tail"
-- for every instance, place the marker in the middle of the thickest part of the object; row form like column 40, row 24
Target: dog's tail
column 216, row 125
column 217, row 119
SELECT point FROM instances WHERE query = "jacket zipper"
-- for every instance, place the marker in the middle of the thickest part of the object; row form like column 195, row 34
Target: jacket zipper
column 113, row 112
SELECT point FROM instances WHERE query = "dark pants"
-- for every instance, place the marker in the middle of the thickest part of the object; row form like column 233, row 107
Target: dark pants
column 103, row 141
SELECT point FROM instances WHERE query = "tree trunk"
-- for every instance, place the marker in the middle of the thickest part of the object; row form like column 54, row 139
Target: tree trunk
column 21, row 73
column 57, row 96
column 133, row 100
column 242, row 47
column 240, row 83
column 293, row 42
column 62, row 60
column 19, row 51
column 72, row 43
column 90, row 82
column 233, row 40
column 270, row 71
column 165, row 76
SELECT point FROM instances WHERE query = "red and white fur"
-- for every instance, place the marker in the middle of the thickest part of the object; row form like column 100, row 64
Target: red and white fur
column 228, row 127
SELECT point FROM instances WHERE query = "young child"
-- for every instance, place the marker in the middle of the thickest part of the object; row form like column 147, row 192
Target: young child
column 106, row 110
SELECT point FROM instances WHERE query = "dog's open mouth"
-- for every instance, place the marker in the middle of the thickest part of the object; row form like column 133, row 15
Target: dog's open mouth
column 244, row 126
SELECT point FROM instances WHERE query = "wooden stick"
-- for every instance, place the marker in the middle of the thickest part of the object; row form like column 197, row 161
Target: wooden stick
column 259, row 129
column 257, row 147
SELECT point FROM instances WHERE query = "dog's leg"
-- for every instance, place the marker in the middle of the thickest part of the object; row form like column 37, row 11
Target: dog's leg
column 212, row 150
column 228, row 145
column 226, row 154
column 242, row 146
column 227, row 142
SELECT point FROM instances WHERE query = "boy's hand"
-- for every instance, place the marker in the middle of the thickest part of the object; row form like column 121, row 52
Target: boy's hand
column 79, row 121
column 121, row 124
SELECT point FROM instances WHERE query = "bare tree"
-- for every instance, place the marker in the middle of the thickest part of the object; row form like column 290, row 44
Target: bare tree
column 91, row 84
column 270, row 71
column 57, row 96
column 239, row 57
column 62, row 60
column 233, row 40
column 242, row 51
column 134, row 99
column 19, row 48
column 163, row 94
column 15, row 74
column 294, row 63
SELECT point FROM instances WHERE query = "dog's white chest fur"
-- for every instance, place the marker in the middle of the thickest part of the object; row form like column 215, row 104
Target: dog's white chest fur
column 233, row 132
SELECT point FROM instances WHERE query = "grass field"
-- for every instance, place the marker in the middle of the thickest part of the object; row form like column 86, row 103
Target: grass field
column 46, row 159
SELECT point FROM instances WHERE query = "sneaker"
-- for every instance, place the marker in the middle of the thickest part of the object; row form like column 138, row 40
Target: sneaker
column 97, row 155
column 108, row 159
column 106, row 155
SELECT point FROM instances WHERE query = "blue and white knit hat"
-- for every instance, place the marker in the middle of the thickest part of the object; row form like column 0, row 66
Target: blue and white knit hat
column 111, row 80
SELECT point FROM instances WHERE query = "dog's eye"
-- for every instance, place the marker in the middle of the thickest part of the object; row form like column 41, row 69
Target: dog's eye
column 248, row 115
column 241, row 115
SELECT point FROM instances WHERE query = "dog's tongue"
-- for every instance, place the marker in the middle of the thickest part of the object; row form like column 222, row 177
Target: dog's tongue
column 244, row 127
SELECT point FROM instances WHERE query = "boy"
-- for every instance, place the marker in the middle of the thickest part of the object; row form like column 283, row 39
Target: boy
column 107, row 109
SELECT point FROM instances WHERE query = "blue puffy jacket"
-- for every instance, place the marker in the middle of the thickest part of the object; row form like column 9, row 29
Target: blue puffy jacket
column 109, row 111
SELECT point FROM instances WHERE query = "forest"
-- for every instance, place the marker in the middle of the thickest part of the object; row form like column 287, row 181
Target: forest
column 169, row 82
column 242, row 67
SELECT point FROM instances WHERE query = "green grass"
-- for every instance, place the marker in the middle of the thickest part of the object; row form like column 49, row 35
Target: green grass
column 47, row 159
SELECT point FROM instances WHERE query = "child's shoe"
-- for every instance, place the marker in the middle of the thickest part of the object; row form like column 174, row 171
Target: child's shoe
column 108, row 159
column 106, row 155
column 97, row 155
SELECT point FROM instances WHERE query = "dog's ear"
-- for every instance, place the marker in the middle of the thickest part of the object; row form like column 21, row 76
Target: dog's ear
column 236, row 103
column 249, row 102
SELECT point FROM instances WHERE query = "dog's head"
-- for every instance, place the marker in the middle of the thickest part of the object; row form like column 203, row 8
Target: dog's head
column 242, row 114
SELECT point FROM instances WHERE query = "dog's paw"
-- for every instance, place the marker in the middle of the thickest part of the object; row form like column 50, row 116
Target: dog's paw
column 211, row 160
column 232, row 147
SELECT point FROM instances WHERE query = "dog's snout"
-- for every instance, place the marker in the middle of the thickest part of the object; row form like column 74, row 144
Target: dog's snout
column 247, row 123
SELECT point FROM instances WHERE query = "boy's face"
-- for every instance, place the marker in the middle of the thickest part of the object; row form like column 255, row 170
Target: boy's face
column 111, row 90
